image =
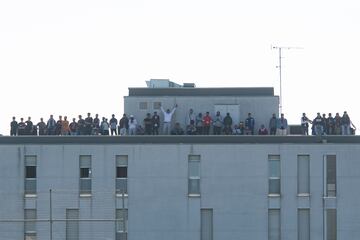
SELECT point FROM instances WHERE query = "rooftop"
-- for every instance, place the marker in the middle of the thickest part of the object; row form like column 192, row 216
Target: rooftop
column 248, row 92
column 165, row 139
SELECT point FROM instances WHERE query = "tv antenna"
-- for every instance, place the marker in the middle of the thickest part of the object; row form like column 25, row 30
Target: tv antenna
column 280, row 48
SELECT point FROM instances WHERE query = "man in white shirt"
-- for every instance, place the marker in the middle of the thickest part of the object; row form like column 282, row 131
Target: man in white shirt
column 167, row 119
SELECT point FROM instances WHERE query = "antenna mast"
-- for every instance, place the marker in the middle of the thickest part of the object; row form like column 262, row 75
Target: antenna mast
column 280, row 76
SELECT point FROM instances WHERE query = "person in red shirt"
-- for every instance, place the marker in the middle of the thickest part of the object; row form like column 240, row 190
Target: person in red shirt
column 207, row 123
column 263, row 130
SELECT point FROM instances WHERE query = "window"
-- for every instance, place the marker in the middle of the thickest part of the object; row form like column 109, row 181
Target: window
column 30, row 175
column 206, row 224
column 157, row 105
column 274, row 174
column 121, row 224
column 274, row 224
column 121, row 174
column 303, row 164
column 85, row 174
column 330, row 175
column 30, row 224
column 143, row 105
column 303, row 224
column 194, row 175
column 331, row 225
column 72, row 224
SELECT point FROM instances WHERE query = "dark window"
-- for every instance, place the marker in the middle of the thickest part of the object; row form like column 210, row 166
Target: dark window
column 30, row 172
column 84, row 172
column 331, row 175
column 143, row 105
column 121, row 172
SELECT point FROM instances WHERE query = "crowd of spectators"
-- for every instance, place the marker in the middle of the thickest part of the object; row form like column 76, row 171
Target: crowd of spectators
column 196, row 124
column 328, row 125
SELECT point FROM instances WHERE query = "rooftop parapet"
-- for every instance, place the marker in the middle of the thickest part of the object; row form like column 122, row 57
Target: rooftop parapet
column 187, row 91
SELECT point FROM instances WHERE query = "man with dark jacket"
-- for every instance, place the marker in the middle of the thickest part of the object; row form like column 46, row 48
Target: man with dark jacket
column 113, row 124
column 272, row 124
column 42, row 127
column 13, row 127
column 123, row 125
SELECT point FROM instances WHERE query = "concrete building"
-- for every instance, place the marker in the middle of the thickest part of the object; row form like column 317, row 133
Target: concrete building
column 180, row 187
column 260, row 102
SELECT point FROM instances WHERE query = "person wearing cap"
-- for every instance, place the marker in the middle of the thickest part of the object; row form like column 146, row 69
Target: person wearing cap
column 167, row 119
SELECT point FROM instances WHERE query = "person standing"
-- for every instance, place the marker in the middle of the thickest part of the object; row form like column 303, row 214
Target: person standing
column 13, row 127
column 345, row 124
column 249, row 125
column 29, row 127
column 199, row 124
column 190, row 116
column 227, row 124
column 123, row 125
column 337, row 120
column 330, row 124
column 132, row 125
column 155, row 124
column 218, row 123
column 113, row 123
column 65, row 130
column 96, row 125
column 318, row 125
column 305, row 124
column 51, row 124
column 281, row 126
column 21, row 127
column 167, row 119
column 207, row 120
column 148, row 124
column 105, row 127
column 42, row 127
column 73, row 127
column 88, row 124
column 272, row 124
column 81, row 126
column 58, row 126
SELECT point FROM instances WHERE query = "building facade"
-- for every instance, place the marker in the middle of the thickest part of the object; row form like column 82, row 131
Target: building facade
column 180, row 187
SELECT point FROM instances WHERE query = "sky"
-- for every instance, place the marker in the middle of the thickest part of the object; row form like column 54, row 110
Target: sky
column 73, row 57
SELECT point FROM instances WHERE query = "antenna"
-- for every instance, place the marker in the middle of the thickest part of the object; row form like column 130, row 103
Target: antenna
column 279, row 67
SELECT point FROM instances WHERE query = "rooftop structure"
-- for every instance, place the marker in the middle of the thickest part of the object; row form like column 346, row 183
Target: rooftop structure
column 260, row 102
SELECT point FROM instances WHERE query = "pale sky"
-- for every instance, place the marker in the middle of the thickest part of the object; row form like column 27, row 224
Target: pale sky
column 73, row 57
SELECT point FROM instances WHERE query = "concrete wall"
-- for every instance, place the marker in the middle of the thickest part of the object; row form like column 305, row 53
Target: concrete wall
column 261, row 107
column 234, row 183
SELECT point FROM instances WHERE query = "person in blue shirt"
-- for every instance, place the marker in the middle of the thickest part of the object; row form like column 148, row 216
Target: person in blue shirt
column 281, row 126
column 249, row 125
